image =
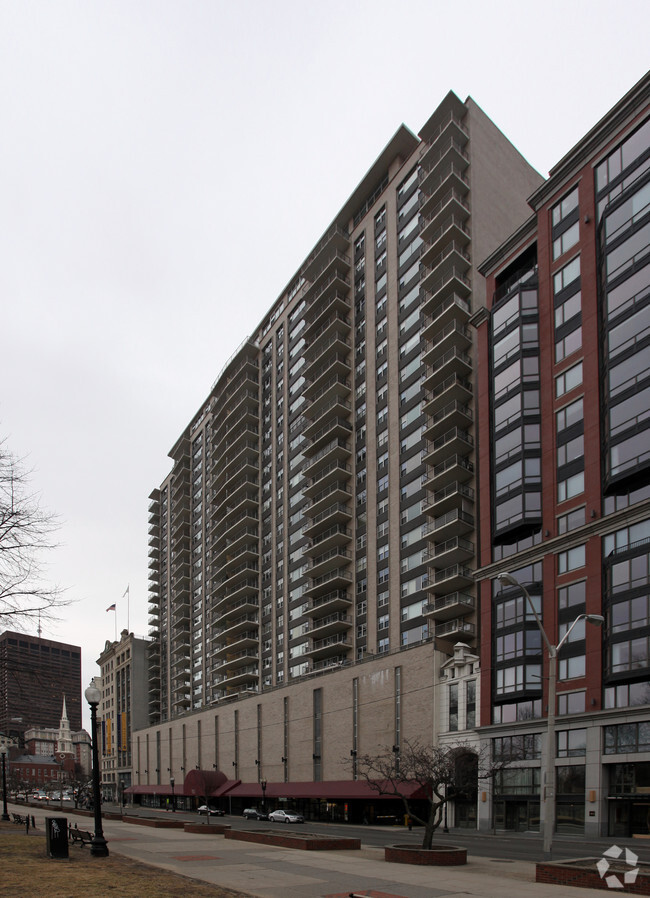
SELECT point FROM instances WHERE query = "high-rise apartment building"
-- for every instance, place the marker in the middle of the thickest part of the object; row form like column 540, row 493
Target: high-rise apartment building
column 35, row 675
column 564, row 374
column 319, row 516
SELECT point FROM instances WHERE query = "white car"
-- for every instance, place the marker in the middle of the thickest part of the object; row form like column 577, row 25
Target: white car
column 286, row 817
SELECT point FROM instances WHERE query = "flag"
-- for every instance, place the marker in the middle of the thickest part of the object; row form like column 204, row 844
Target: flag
column 111, row 607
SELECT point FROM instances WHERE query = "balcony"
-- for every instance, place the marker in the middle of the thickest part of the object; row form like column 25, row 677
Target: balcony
column 334, row 600
column 452, row 205
column 452, row 308
column 331, row 645
column 337, row 302
column 454, row 605
column 454, row 389
column 337, row 491
column 455, row 414
column 455, row 468
column 335, row 240
column 326, row 626
column 336, row 407
column 457, row 577
column 452, row 551
column 336, row 449
column 336, row 513
column 448, row 498
column 435, row 185
column 454, row 442
column 454, row 334
column 336, row 429
column 327, row 561
column 337, row 535
column 340, row 578
column 320, row 397
column 242, row 645
column 454, row 361
column 455, row 629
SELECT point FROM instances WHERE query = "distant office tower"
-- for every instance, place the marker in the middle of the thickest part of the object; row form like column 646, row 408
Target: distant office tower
column 319, row 516
column 35, row 675
column 564, row 437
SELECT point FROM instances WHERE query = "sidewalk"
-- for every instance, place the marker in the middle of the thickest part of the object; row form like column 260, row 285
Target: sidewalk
column 269, row 872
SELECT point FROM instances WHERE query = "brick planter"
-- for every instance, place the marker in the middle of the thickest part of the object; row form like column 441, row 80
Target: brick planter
column 443, row 856
column 583, row 873
column 157, row 824
column 303, row 841
column 207, row 829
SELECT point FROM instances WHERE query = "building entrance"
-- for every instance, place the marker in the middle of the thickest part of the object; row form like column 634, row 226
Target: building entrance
column 516, row 815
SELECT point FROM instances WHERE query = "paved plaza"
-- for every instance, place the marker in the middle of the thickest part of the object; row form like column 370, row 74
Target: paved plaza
column 270, row 872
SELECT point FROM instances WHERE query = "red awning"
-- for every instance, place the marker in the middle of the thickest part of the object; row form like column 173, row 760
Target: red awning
column 151, row 789
column 331, row 789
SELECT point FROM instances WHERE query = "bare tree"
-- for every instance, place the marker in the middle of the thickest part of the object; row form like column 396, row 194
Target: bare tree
column 26, row 533
column 434, row 774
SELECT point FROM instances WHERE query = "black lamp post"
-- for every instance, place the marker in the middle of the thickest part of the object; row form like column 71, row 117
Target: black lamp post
column 98, row 846
column 263, row 785
column 122, row 786
column 3, row 751
column 171, row 783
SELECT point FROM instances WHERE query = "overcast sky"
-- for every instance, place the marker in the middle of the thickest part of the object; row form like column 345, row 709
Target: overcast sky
column 165, row 167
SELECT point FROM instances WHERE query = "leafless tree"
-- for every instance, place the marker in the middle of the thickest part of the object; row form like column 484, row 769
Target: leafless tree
column 26, row 534
column 435, row 774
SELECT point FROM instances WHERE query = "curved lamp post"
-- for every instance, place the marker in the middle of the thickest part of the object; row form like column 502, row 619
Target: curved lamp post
column 98, row 846
column 4, row 751
column 549, row 784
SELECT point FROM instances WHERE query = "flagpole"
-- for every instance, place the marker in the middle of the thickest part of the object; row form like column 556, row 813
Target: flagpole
column 127, row 593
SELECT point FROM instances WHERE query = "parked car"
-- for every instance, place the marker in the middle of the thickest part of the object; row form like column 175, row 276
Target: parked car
column 254, row 814
column 286, row 817
column 211, row 812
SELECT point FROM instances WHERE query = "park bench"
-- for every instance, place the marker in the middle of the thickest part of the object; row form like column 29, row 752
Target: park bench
column 19, row 819
column 79, row 836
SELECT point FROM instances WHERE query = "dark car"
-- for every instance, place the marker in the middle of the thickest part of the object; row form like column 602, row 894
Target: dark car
column 254, row 814
column 211, row 812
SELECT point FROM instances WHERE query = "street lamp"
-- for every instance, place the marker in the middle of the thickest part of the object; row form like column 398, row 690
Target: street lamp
column 122, row 786
column 4, row 751
column 263, row 785
column 171, row 783
column 98, row 846
column 549, row 792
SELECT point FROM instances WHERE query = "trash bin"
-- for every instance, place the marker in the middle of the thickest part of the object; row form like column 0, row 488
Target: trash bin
column 56, row 836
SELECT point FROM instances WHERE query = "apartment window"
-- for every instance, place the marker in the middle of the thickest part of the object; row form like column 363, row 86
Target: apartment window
column 566, row 275
column 571, row 743
column 568, row 380
column 567, row 345
column 470, row 704
column 565, row 207
column 571, row 702
column 383, row 645
column 622, row 738
column 382, row 483
column 453, row 707
column 572, row 595
column 566, row 240
column 569, row 415
column 571, row 486
column 571, row 559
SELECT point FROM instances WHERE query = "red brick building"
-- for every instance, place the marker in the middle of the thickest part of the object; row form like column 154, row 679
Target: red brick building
column 564, row 485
